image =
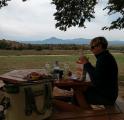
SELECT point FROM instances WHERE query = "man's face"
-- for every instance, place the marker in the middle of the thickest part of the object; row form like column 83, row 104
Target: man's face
column 96, row 48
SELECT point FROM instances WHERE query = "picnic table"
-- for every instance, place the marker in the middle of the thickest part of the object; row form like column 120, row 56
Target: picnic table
column 115, row 112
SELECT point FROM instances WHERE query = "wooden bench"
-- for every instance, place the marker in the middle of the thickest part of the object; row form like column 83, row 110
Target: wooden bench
column 115, row 112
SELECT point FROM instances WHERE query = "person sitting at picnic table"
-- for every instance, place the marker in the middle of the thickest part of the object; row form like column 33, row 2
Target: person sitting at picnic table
column 104, row 77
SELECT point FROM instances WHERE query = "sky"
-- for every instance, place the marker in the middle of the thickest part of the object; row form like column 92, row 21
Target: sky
column 34, row 20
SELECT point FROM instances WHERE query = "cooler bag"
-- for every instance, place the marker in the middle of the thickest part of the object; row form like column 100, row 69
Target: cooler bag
column 28, row 101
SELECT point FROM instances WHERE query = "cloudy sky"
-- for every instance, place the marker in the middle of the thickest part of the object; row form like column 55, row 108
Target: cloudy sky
column 33, row 20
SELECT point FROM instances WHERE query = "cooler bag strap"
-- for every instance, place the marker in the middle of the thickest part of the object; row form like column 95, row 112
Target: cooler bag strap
column 47, row 97
column 30, row 100
column 4, row 105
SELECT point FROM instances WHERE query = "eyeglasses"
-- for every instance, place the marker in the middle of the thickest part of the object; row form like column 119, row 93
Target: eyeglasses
column 92, row 47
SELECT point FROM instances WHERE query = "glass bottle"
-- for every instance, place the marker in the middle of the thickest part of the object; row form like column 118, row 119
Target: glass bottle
column 67, row 71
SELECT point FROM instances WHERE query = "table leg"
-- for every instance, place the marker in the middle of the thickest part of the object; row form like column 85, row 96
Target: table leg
column 80, row 98
column 64, row 106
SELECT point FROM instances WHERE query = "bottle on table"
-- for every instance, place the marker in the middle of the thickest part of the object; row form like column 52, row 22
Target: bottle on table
column 57, row 71
column 67, row 71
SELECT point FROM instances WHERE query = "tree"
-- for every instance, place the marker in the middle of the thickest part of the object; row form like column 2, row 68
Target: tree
column 73, row 12
column 116, row 6
column 77, row 12
column 4, row 3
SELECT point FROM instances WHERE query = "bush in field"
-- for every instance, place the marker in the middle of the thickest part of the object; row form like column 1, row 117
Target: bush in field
column 13, row 45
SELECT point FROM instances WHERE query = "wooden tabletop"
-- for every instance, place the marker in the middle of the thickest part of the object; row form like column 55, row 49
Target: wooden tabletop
column 71, row 83
column 18, row 76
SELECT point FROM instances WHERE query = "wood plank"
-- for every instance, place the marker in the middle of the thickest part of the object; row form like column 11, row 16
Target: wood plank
column 90, row 118
column 110, row 113
column 19, row 76
column 116, row 117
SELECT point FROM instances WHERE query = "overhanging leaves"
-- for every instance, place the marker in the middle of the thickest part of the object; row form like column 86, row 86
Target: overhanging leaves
column 73, row 12
column 116, row 6
column 4, row 2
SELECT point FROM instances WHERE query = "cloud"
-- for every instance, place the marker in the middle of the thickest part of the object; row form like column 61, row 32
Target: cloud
column 33, row 20
column 29, row 17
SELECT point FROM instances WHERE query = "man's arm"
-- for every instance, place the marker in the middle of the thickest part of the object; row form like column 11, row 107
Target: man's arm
column 90, row 69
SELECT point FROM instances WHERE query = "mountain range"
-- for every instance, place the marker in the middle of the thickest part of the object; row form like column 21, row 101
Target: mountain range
column 54, row 40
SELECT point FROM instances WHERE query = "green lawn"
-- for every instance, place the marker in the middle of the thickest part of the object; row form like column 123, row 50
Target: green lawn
column 11, row 62
column 36, row 61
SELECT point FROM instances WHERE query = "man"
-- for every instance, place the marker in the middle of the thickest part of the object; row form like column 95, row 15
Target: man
column 103, row 89
column 104, row 76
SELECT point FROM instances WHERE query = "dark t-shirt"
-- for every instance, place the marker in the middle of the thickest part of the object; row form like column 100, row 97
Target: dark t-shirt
column 104, row 76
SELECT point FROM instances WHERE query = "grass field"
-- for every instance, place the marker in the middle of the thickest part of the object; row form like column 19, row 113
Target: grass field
column 14, row 61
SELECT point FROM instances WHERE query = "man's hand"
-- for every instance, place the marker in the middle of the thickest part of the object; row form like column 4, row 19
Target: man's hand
column 84, row 59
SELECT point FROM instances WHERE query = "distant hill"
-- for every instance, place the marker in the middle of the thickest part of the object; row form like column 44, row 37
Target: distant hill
column 116, row 42
column 54, row 40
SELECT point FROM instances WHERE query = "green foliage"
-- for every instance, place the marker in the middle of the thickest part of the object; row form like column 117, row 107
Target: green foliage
column 77, row 12
column 7, row 44
column 13, row 45
column 4, row 44
column 73, row 12
column 5, row 2
column 116, row 6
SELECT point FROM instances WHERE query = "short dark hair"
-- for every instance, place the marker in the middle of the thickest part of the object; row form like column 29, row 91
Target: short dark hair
column 100, row 41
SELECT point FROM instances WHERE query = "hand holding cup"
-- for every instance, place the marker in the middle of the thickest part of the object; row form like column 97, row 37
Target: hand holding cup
column 84, row 59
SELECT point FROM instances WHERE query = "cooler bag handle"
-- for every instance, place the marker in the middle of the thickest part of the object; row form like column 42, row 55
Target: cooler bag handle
column 30, row 101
